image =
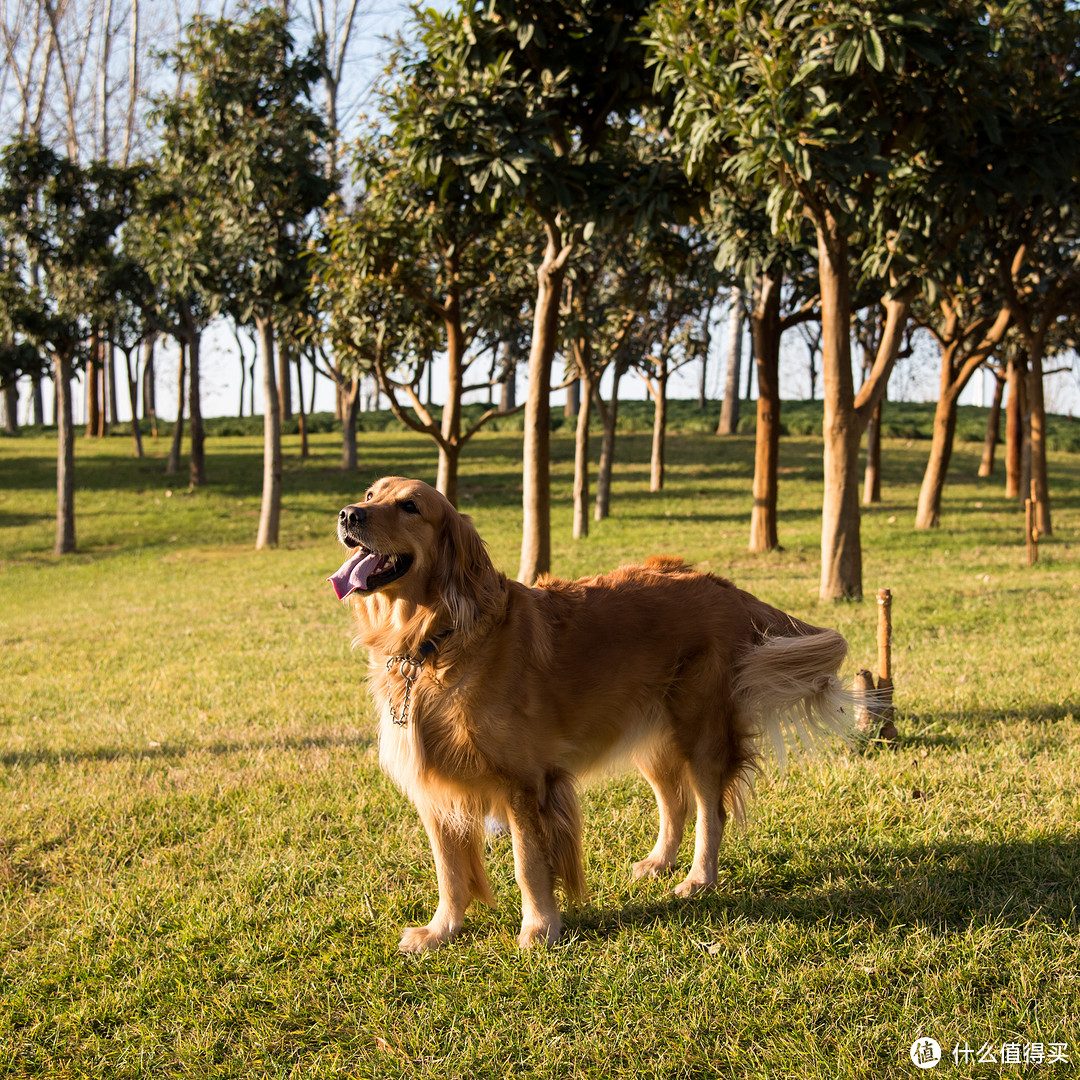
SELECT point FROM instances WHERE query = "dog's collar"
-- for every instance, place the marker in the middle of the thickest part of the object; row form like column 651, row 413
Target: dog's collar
column 430, row 647
column 409, row 668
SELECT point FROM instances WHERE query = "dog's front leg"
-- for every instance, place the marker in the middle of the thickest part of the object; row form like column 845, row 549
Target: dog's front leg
column 540, row 919
column 456, row 861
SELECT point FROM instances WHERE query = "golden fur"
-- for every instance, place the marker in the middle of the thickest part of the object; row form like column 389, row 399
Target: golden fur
column 523, row 691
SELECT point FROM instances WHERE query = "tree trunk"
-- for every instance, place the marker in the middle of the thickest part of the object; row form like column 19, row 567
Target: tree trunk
column 38, row 401
column 197, row 461
column 447, row 480
column 301, row 416
column 765, row 324
column 65, row 461
column 581, row 447
column 93, row 387
column 1025, row 447
column 536, row 467
column 109, row 354
column 845, row 413
column 133, row 399
column 607, row 449
column 841, row 550
column 872, row 476
column 243, row 372
column 270, row 512
column 149, row 385
column 729, row 410
column 1014, row 425
column 11, row 408
column 959, row 362
column 285, row 389
column 659, row 431
column 573, row 399
column 1037, row 406
column 450, row 444
column 508, row 383
column 749, row 395
column 348, row 402
column 928, row 514
column 173, row 464
column 993, row 425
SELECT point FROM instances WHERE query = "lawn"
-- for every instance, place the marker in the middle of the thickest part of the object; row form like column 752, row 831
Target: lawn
column 204, row 873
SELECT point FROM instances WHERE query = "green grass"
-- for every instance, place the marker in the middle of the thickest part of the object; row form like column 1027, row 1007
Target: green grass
column 203, row 872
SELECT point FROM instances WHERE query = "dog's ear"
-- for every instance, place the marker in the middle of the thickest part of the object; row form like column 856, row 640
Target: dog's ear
column 465, row 577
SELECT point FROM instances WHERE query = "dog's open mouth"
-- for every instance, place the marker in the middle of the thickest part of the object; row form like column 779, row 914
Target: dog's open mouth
column 366, row 571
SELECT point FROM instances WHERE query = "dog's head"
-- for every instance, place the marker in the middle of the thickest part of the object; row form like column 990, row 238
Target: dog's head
column 407, row 542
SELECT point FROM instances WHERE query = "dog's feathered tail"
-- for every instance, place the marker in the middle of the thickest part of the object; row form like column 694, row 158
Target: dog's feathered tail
column 788, row 683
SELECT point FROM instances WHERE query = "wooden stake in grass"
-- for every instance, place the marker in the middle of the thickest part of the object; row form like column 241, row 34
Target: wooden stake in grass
column 1031, row 530
column 884, row 643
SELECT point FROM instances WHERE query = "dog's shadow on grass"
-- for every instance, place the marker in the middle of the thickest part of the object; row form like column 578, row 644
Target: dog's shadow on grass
column 902, row 888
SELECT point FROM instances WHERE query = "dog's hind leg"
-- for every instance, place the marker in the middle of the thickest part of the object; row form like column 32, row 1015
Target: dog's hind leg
column 667, row 777
column 721, row 779
column 534, row 868
column 460, row 872
column 719, row 770
column 709, row 828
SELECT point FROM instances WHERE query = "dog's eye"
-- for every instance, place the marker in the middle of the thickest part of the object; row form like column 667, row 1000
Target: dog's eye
column 367, row 497
column 409, row 507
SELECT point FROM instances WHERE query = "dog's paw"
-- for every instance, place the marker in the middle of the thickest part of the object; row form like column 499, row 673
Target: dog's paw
column 692, row 886
column 650, row 867
column 418, row 939
column 540, row 934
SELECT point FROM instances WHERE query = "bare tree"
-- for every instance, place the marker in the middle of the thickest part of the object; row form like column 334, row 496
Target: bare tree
column 29, row 53
column 334, row 21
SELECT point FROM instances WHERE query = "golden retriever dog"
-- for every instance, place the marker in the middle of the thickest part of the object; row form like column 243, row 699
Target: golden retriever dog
column 498, row 698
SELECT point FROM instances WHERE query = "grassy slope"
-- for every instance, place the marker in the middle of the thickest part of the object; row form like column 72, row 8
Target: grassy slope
column 202, row 871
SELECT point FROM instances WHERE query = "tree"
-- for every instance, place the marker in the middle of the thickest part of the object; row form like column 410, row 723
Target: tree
column 778, row 272
column 252, row 154
column 527, row 100
column 831, row 112
column 680, row 268
column 969, row 325
column 773, row 311
column 176, row 247
column 333, row 22
column 128, row 327
column 606, row 299
column 64, row 217
column 442, row 250
column 636, row 296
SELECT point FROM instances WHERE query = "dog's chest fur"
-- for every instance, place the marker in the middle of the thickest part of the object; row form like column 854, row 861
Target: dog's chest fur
column 432, row 743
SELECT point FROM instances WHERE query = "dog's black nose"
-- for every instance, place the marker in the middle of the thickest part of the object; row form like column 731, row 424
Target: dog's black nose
column 352, row 516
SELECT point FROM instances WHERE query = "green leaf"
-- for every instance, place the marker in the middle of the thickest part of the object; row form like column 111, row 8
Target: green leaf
column 875, row 50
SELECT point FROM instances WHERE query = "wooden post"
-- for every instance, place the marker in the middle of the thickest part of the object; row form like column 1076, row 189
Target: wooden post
column 884, row 636
column 886, row 709
column 1031, row 530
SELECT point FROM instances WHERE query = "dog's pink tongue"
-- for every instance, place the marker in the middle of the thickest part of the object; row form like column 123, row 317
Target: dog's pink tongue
column 354, row 573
